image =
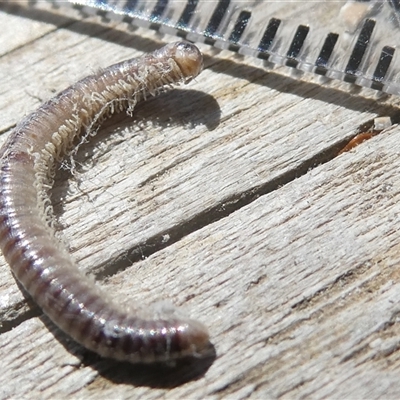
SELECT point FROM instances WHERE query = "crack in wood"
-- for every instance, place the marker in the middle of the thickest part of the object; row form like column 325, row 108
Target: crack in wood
column 339, row 283
column 11, row 318
column 391, row 327
column 221, row 210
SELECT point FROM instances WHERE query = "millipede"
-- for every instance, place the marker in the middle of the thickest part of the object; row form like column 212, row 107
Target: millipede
column 40, row 262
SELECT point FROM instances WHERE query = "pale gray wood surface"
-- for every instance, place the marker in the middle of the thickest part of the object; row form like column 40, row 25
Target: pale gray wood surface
column 195, row 201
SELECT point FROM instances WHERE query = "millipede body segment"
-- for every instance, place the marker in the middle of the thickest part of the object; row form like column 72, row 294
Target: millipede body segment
column 46, row 270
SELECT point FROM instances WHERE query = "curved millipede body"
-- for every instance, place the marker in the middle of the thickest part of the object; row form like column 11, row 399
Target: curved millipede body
column 46, row 270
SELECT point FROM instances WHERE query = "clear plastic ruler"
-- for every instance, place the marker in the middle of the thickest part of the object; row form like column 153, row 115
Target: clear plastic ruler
column 354, row 41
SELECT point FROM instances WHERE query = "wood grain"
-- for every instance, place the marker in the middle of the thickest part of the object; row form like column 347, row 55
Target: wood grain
column 226, row 198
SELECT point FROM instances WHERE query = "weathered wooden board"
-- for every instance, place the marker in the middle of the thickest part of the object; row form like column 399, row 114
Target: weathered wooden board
column 296, row 278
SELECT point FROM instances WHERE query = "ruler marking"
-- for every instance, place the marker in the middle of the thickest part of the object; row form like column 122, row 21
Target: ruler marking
column 326, row 53
column 296, row 45
column 216, row 20
column 238, row 30
column 382, row 67
column 353, row 61
column 158, row 10
column 102, row 8
column 187, row 14
column 359, row 50
column 129, row 6
column 102, row 4
column 268, row 37
column 395, row 4
column 127, row 19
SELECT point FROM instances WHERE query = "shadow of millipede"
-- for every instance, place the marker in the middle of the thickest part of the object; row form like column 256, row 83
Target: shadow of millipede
column 157, row 375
